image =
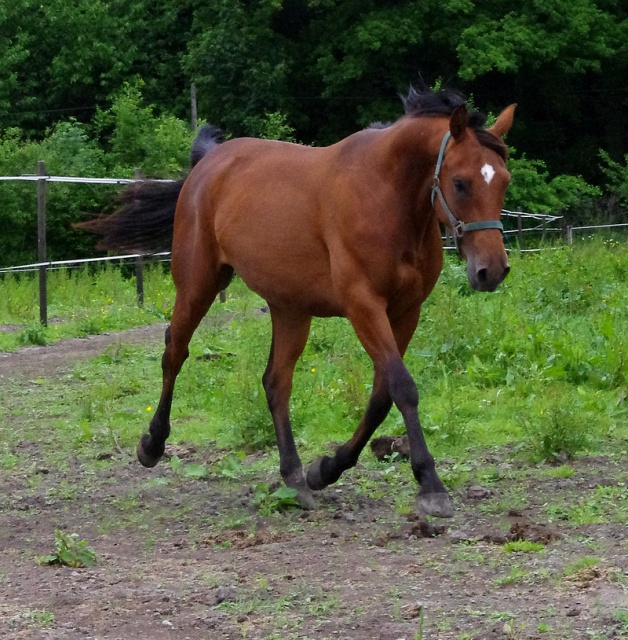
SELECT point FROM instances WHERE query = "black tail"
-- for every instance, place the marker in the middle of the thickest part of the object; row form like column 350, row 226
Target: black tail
column 207, row 138
column 145, row 219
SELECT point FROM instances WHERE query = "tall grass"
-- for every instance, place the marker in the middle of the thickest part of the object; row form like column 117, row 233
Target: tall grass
column 540, row 366
column 80, row 302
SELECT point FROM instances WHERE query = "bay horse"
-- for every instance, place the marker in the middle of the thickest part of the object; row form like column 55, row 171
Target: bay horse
column 347, row 230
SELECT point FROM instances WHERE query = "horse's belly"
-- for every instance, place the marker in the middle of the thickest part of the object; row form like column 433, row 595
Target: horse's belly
column 288, row 275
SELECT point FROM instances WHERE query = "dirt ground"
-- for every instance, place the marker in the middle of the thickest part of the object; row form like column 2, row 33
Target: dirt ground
column 195, row 559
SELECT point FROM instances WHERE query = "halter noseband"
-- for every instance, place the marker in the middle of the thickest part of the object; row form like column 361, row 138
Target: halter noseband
column 458, row 226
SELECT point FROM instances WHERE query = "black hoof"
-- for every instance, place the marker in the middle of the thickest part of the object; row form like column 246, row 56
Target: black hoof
column 306, row 499
column 147, row 454
column 436, row 504
column 314, row 478
column 304, row 495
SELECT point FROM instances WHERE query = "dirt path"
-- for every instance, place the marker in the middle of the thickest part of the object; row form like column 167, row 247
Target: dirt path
column 183, row 558
column 46, row 361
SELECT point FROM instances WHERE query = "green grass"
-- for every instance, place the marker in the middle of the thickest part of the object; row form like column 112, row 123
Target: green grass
column 539, row 367
column 80, row 303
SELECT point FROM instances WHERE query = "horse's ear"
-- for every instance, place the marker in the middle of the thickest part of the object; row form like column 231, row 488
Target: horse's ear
column 504, row 121
column 458, row 123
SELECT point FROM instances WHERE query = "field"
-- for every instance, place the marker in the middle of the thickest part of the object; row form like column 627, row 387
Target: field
column 523, row 401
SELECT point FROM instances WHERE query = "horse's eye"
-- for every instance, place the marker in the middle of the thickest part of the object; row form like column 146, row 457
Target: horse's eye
column 461, row 186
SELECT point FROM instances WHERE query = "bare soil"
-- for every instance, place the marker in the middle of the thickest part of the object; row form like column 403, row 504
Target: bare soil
column 182, row 558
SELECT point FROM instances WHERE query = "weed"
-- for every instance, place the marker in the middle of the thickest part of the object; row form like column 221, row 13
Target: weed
column 621, row 617
column 270, row 502
column 38, row 617
column 230, row 466
column 516, row 574
column 564, row 471
column 554, row 430
column 34, row 334
column 523, row 546
column 70, row 551
column 606, row 504
column 577, row 566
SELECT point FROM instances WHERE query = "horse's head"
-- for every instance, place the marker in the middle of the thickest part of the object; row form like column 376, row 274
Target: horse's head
column 468, row 194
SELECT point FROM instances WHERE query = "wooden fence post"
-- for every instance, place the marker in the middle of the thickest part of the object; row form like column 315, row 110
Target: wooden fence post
column 569, row 233
column 520, row 232
column 139, row 263
column 41, row 243
column 193, row 107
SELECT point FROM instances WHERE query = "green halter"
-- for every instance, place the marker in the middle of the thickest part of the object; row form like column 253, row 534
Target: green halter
column 459, row 227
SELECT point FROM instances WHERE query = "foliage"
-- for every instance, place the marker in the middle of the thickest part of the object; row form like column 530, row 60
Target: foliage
column 70, row 551
column 101, row 87
column 137, row 137
column 158, row 144
column 532, row 189
column 523, row 546
column 66, row 150
column 34, row 334
column 616, row 175
column 330, row 67
column 268, row 502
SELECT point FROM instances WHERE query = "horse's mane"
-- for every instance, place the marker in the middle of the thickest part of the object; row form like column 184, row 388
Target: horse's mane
column 425, row 103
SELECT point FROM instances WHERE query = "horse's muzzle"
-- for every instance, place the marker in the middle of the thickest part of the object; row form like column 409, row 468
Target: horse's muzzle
column 487, row 278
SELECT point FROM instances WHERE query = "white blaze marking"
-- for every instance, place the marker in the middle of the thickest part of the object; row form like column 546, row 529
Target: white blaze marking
column 487, row 172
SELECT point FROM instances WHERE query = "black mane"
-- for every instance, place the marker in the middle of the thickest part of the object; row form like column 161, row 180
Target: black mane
column 422, row 103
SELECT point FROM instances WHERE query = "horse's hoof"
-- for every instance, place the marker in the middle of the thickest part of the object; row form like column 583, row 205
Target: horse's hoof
column 144, row 454
column 436, row 504
column 314, row 479
column 306, row 499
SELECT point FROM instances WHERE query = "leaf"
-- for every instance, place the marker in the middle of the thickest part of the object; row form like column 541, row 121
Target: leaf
column 195, row 471
column 285, row 493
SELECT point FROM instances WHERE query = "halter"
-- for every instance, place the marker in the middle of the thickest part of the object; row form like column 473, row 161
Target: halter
column 459, row 227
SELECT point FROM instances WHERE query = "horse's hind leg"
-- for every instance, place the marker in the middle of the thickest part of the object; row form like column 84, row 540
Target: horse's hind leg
column 289, row 338
column 195, row 295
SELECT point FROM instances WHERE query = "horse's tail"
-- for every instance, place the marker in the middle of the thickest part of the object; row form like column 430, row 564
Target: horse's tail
column 144, row 221
column 207, row 138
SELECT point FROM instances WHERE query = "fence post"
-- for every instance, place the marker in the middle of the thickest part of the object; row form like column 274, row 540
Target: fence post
column 193, row 107
column 569, row 233
column 41, row 243
column 448, row 238
column 139, row 264
column 520, row 232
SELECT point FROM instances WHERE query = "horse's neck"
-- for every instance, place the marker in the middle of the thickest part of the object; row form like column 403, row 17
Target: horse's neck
column 414, row 145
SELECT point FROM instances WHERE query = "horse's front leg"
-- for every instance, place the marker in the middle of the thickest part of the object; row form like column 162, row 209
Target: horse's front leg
column 386, row 347
column 289, row 337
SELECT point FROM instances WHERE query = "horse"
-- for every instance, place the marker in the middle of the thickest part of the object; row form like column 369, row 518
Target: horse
column 351, row 230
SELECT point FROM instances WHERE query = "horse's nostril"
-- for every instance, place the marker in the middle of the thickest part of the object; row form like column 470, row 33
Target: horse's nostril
column 506, row 270
column 482, row 275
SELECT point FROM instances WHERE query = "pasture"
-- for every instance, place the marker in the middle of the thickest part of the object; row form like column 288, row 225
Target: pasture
column 523, row 400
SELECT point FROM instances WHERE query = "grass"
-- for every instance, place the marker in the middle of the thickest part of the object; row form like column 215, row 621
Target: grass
column 539, row 366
